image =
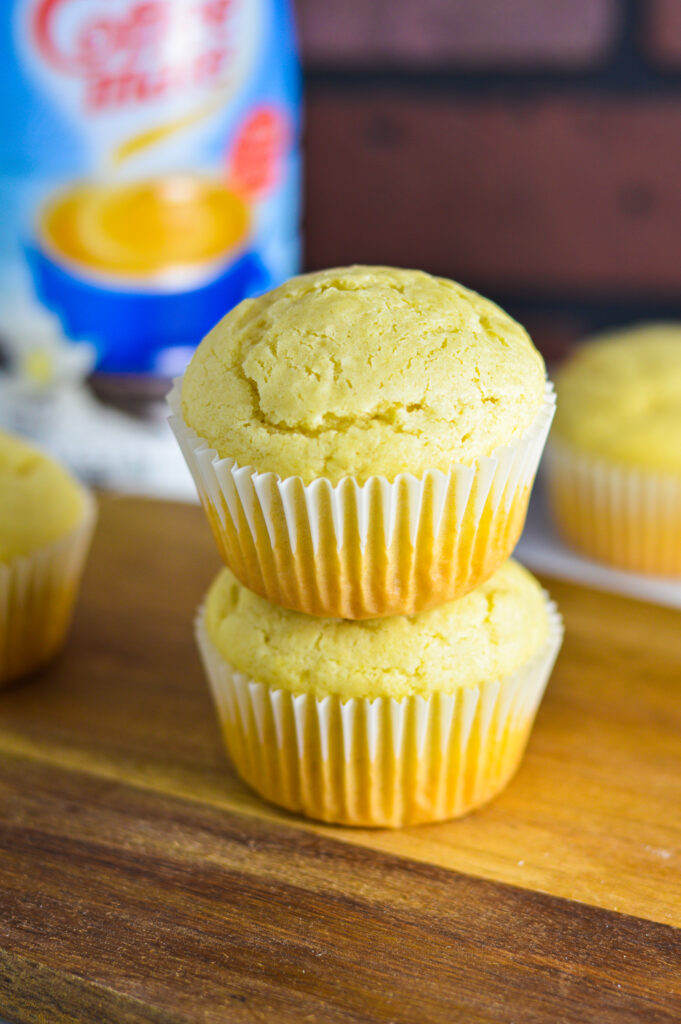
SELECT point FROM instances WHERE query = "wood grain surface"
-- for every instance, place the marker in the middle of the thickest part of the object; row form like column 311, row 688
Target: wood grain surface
column 140, row 881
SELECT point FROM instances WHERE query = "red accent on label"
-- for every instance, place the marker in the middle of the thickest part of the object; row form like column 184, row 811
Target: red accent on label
column 45, row 36
column 257, row 151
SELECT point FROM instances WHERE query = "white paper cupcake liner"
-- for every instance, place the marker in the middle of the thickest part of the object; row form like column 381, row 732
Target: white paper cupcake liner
column 380, row 762
column 37, row 595
column 382, row 548
column 626, row 517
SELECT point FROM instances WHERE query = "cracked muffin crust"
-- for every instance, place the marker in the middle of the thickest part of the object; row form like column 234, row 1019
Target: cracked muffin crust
column 487, row 634
column 363, row 371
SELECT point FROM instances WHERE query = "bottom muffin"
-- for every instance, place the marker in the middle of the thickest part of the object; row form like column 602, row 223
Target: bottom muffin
column 380, row 722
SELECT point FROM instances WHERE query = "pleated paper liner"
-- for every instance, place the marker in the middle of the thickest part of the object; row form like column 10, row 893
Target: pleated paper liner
column 380, row 762
column 382, row 548
column 37, row 595
column 624, row 516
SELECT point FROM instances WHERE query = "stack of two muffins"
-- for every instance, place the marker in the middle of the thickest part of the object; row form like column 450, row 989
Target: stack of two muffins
column 364, row 442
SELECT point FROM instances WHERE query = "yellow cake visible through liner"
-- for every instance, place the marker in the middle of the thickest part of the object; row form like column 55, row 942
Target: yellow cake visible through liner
column 380, row 723
column 359, row 582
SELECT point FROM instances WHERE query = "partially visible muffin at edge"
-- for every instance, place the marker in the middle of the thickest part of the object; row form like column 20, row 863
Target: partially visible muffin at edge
column 46, row 520
column 40, row 501
column 614, row 465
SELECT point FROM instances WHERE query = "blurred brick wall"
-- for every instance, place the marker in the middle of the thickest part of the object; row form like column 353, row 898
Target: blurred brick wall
column 529, row 148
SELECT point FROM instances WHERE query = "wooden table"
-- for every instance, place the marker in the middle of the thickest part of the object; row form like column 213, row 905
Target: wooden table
column 141, row 881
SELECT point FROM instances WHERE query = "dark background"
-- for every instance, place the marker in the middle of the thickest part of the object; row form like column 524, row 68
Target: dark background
column 528, row 148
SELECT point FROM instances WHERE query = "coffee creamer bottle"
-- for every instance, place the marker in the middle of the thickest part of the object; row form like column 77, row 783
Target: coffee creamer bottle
column 149, row 170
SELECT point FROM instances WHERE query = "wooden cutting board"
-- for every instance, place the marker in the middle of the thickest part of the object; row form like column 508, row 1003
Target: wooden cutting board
column 140, row 881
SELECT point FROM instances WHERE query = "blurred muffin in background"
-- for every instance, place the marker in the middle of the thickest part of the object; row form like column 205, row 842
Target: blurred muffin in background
column 614, row 458
column 46, row 522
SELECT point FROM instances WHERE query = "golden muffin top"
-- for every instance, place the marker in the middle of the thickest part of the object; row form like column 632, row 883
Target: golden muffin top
column 363, row 371
column 619, row 398
column 483, row 636
column 39, row 500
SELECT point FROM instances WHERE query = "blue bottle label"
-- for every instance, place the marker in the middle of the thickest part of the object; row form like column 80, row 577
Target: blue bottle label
column 150, row 178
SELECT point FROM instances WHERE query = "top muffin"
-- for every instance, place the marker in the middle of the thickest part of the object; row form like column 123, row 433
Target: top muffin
column 620, row 398
column 363, row 371
column 40, row 501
